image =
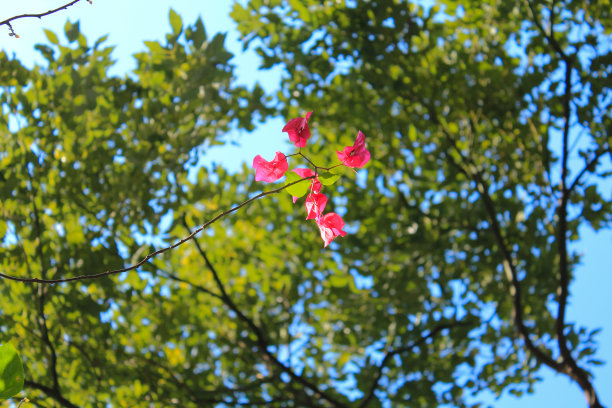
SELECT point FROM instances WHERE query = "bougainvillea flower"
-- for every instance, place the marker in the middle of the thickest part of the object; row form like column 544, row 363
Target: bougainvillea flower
column 270, row 171
column 298, row 130
column 315, row 204
column 303, row 173
column 356, row 155
column 331, row 225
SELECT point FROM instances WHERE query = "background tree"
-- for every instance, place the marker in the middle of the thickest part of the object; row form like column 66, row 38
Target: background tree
column 477, row 111
column 444, row 287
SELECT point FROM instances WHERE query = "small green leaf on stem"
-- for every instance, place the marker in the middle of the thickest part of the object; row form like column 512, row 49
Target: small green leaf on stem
column 327, row 178
column 297, row 189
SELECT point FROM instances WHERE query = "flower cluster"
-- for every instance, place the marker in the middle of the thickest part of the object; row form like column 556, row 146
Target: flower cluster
column 355, row 156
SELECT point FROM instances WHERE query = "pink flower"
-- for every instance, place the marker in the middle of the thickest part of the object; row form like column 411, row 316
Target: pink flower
column 298, row 130
column 356, row 155
column 270, row 171
column 315, row 204
column 331, row 225
column 303, row 173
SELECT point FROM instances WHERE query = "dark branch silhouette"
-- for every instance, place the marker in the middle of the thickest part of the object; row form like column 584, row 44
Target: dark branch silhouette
column 50, row 392
column 262, row 342
column 390, row 354
column 42, row 320
column 12, row 32
column 468, row 168
column 569, row 364
column 173, row 277
column 588, row 166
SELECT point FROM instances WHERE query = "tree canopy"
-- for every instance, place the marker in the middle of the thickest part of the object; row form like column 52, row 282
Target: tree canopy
column 488, row 127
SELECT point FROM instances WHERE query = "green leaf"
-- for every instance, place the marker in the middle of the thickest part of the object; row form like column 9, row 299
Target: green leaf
column 298, row 189
column 175, row 22
column 100, row 41
column 338, row 281
column 51, row 37
column 11, row 371
column 155, row 47
column 199, row 34
column 46, row 51
column 340, row 170
column 327, row 178
column 72, row 31
column 412, row 133
column 216, row 45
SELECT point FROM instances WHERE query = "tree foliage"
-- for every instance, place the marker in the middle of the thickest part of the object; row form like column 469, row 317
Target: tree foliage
column 454, row 276
column 477, row 111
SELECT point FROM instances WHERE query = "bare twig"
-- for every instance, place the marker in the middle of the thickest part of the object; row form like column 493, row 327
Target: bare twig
column 7, row 22
column 22, row 401
column 159, row 251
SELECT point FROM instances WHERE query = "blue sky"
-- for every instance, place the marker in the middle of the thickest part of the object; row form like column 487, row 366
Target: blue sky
column 129, row 23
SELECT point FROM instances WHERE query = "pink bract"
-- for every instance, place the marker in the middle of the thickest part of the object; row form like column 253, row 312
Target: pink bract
column 356, row 155
column 315, row 204
column 298, row 130
column 331, row 225
column 270, row 171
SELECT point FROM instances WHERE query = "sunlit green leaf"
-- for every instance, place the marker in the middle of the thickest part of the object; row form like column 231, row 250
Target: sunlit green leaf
column 299, row 188
column 11, row 371
column 51, row 36
column 176, row 22
column 327, row 178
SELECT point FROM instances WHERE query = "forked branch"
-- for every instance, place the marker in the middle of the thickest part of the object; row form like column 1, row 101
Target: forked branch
column 8, row 21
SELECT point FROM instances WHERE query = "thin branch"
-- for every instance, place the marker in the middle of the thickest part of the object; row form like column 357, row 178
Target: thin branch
column 163, row 369
column 42, row 320
column 22, row 401
column 96, row 371
column 562, row 235
column 589, row 166
column 51, row 393
column 159, row 251
column 512, row 275
column 173, row 277
column 401, row 350
column 261, row 339
column 569, row 365
column 7, row 22
column 549, row 36
column 507, row 262
column 238, row 388
column 201, row 396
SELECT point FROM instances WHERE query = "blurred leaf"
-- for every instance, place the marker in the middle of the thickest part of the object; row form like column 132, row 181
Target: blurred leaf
column 72, row 31
column 11, row 371
column 176, row 22
column 51, row 37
